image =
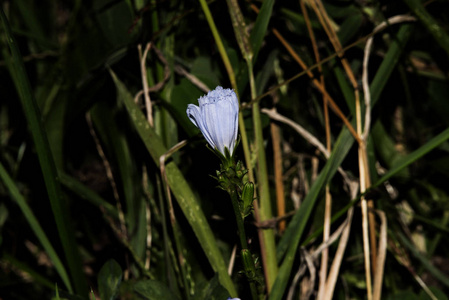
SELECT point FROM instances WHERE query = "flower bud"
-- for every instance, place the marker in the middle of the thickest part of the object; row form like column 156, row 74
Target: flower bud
column 247, row 198
column 248, row 264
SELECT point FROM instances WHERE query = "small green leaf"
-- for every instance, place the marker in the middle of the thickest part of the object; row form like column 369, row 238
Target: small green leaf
column 109, row 280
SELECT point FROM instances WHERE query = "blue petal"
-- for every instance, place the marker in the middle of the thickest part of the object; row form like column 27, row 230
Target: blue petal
column 195, row 115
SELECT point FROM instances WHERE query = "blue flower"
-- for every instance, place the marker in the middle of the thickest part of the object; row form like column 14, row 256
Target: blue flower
column 233, row 298
column 217, row 118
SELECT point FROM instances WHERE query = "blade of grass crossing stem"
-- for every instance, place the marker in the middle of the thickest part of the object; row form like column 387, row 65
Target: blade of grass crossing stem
column 179, row 186
column 288, row 245
column 414, row 156
column 260, row 27
column 35, row 226
column 59, row 209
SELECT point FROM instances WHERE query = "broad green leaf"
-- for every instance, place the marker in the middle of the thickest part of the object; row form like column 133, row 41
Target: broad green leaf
column 109, row 279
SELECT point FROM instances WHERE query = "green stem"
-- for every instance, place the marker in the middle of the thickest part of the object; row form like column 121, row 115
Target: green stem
column 239, row 219
column 247, row 258
column 270, row 263
column 220, row 46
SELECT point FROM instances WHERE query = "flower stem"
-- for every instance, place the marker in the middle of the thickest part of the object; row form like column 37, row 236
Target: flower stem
column 247, row 258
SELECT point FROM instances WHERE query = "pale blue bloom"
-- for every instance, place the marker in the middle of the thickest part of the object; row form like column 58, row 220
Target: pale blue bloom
column 233, row 298
column 217, row 118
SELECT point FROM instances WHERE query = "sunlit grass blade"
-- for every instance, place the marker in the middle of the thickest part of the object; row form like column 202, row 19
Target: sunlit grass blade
column 35, row 226
column 59, row 209
column 288, row 246
column 179, row 186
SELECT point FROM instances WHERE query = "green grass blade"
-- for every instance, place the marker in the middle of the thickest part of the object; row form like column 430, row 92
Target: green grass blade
column 22, row 266
column 289, row 243
column 35, row 226
column 219, row 43
column 47, row 164
column 425, row 261
column 117, row 147
column 179, row 186
column 389, row 62
column 265, row 210
column 414, row 156
column 260, row 27
column 85, row 193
